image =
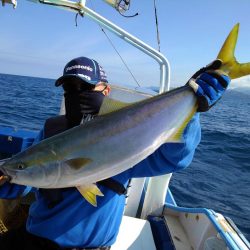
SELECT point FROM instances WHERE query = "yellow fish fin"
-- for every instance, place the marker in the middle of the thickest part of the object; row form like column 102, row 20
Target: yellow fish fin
column 177, row 137
column 110, row 105
column 229, row 63
column 90, row 192
column 78, row 163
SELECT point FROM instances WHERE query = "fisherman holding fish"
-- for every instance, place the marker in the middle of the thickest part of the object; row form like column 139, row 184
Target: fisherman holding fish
column 60, row 218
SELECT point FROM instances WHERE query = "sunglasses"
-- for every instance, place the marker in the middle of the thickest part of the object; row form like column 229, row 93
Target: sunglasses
column 76, row 85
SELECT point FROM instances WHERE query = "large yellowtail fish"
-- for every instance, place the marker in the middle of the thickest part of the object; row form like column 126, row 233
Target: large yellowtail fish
column 114, row 141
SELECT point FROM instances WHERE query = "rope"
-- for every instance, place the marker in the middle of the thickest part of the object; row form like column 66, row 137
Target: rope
column 111, row 43
column 120, row 57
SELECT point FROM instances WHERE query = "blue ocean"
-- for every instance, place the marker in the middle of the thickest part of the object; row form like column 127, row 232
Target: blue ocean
column 218, row 178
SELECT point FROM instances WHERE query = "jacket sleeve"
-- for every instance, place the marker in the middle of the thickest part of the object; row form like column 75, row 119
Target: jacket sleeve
column 12, row 191
column 171, row 157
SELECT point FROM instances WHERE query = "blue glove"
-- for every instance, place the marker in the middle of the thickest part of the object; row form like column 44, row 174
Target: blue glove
column 209, row 84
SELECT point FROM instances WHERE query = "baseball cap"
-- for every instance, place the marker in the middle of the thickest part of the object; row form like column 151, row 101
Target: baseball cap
column 85, row 69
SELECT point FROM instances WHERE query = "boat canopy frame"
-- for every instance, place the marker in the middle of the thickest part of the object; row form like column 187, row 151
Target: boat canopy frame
column 81, row 8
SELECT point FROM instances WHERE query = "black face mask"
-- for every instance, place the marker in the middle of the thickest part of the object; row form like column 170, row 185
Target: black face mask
column 82, row 103
column 91, row 101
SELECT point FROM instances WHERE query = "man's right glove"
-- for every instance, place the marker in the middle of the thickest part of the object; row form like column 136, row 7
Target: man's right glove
column 209, row 84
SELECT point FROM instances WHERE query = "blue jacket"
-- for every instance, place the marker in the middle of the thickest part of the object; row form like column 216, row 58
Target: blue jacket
column 75, row 223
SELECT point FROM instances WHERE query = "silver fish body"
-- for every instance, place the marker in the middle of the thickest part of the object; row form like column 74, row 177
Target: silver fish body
column 105, row 146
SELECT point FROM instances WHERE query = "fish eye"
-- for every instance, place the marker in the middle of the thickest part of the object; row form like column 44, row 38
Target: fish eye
column 21, row 166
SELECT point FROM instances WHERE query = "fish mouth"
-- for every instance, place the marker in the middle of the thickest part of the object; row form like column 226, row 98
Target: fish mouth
column 8, row 174
column 4, row 176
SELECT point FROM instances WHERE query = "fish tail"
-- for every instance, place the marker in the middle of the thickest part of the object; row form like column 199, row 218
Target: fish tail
column 230, row 65
column 90, row 193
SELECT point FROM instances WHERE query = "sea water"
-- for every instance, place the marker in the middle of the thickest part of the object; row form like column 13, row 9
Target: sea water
column 219, row 176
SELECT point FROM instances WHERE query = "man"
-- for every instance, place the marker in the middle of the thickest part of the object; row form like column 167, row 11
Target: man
column 61, row 218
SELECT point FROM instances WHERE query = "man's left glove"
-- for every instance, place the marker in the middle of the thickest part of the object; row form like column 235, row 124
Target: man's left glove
column 209, row 84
